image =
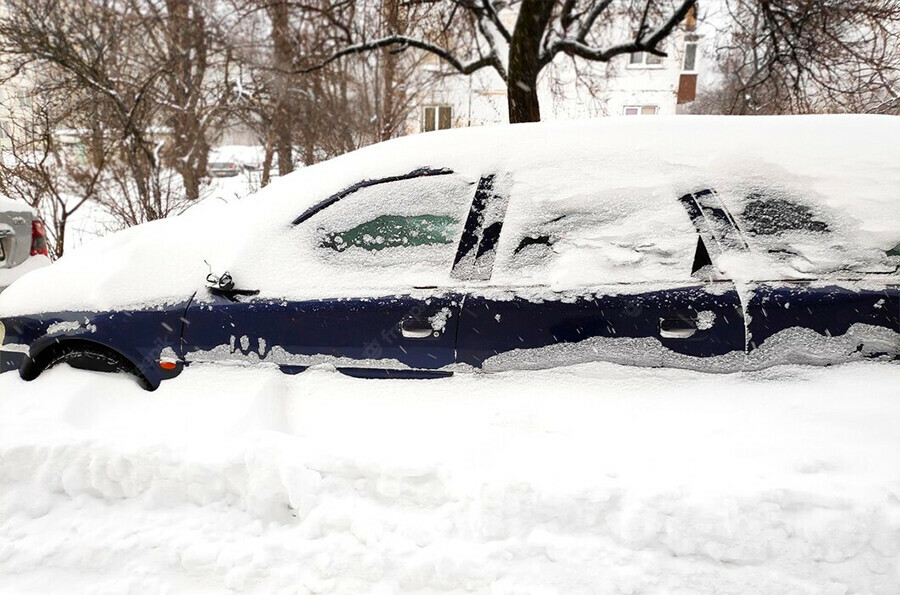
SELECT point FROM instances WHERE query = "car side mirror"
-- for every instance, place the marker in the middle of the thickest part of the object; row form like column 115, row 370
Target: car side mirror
column 224, row 286
column 223, row 283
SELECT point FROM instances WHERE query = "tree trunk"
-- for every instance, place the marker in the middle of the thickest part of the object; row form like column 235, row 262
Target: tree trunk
column 187, row 45
column 285, row 150
column 524, row 52
column 282, row 124
column 191, row 183
column 267, row 162
column 523, row 100
column 61, row 235
column 391, row 16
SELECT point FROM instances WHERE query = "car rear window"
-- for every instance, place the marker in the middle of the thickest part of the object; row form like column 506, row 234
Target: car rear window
column 793, row 234
column 765, row 215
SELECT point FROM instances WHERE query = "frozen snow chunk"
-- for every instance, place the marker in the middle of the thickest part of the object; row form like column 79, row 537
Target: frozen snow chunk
column 705, row 320
column 439, row 321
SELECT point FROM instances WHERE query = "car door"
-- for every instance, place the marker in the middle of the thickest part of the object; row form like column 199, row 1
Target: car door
column 580, row 276
column 849, row 304
column 816, row 323
column 814, row 291
column 379, row 299
column 682, row 326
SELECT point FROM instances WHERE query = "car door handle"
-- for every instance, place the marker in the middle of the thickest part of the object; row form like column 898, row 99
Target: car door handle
column 674, row 328
column 416, row 329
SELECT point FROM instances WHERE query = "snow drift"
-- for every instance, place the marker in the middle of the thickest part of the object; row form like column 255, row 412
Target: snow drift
column 590, row 479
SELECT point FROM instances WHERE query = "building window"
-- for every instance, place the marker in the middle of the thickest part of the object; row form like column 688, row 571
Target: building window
column 24, row 100
column 436, row 117
column 690, row 57
column 641, row 110
column 645, row 59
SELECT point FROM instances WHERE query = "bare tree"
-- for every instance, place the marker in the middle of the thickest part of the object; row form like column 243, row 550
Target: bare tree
column 310, row 116
column 796, row 56
column 261, row 40
column 196, row 89
column 155, row 71
column 543, row 30
column 94, row 46
column 282, row 51
column 39, row 166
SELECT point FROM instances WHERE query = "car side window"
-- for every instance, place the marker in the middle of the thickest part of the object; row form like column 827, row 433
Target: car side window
column 402, row 232
column 801, row 236
column 757, row 229
column 389, row 231
column 766, row 215
column 569, row 230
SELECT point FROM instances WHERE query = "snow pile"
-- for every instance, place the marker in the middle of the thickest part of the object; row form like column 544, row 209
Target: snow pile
column 840, row 171
column 592, row 479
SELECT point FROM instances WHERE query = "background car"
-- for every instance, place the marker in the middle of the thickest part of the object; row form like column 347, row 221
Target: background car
column 717, row 244
column 23, row 241
column 224, row 169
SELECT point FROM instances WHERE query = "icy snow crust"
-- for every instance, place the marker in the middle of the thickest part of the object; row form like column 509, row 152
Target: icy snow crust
column 590, row 479
column 603, row 192
column 791, row 346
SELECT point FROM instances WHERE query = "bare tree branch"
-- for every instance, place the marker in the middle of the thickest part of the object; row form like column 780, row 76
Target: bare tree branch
column 641, row 43
column 400, row 43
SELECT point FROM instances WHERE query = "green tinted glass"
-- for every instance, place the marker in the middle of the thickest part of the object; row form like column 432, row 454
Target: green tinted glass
column 388, row 231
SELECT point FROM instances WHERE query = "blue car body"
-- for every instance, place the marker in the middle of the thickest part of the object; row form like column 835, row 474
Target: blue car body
column 477, row 329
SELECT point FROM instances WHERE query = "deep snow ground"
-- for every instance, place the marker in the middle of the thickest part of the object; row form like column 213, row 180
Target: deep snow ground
column 591, row 479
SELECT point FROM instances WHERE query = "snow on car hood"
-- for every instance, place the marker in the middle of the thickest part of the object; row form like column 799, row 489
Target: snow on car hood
column 840, row 172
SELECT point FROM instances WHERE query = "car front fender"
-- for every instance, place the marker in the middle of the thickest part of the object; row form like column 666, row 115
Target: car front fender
column 142, row 337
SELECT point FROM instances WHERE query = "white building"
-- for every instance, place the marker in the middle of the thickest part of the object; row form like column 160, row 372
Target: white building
column 630, row 85
column 15, row 109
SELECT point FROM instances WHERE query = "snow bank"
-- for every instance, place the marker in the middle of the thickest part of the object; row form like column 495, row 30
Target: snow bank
column 837, row 171
column 591, row 479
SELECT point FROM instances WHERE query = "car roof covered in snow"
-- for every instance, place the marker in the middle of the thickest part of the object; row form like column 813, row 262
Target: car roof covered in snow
column 9, row 205
column 838, row 176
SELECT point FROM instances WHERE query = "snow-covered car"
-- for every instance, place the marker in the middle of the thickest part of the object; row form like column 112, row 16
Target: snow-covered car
column 23, row 241
column 711, row 243
column 224, row 169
